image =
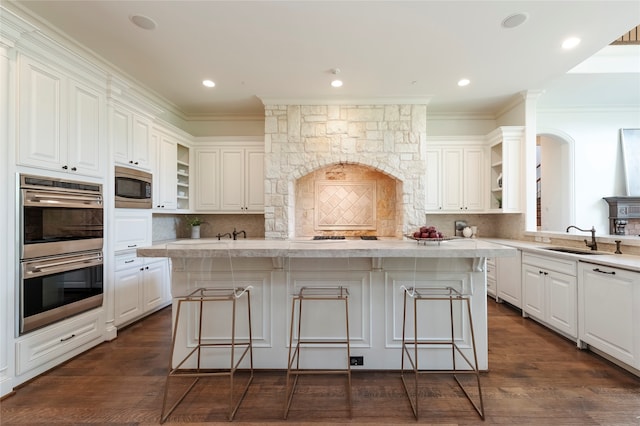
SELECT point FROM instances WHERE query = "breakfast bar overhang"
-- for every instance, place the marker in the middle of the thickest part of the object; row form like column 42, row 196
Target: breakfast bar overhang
column 375, row 272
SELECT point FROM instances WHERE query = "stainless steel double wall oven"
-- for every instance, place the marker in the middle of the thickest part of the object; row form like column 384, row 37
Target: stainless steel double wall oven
column 61, row 260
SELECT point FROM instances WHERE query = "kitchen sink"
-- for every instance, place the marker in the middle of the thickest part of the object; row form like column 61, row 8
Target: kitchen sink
column 572, row 251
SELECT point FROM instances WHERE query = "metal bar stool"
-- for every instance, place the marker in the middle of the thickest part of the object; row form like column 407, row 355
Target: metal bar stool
column 294, row 370
column 442, row 294
column 200, row 297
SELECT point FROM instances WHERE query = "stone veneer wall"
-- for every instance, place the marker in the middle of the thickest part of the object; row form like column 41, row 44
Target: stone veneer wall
column 302, row 138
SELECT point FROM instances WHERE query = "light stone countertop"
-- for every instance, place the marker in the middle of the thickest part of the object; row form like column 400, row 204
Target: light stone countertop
column 624, row 261
column 456, row 248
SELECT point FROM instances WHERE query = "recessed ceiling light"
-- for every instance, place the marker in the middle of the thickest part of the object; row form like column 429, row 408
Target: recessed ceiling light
column 143, row 22
column 336, row 83
column 464, row 82
column 208, row 83
column 570, row 43
column 515, row 20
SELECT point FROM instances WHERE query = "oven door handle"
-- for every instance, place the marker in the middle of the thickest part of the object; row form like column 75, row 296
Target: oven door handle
column 36, row 268
column 32, row 198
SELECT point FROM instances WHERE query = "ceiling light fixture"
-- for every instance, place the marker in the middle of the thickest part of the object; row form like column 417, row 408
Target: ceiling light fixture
column 336, row 82
column 514, row 20
column 208, row 83
column 143, row 22
column 570, row 43
column 464, row 82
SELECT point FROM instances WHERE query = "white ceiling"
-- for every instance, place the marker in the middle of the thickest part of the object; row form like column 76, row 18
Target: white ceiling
column 385, row 50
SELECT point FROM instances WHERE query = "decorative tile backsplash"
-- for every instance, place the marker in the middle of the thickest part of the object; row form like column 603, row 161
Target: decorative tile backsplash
column 345, row 205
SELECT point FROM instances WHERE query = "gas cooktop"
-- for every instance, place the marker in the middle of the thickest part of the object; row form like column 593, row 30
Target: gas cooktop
column 342, row 237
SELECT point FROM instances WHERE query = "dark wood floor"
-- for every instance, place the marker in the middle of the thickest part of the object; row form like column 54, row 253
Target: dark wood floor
column 536, row 377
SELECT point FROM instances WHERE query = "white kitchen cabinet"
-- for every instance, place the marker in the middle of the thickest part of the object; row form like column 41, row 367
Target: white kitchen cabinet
column 207, row 180
column 43, row 349
column 609, row 311
column 549, row 287
column 61, row 121
column 141, row 287
column 130, row 137
column 509, row 279
column 491, row 277
column 505, row 178
column 242, row 180
column 229, row 178
column 171, row 172
column 455, row 178
column 132, row 228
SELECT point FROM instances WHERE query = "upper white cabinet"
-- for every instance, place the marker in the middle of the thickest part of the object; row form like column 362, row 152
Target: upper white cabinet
column 455, row 178
column 505, row 158
column 130, row 137
column 609, row 311
column 61, row 120
column 171, row 172
column 242, row 180
column 229, row 178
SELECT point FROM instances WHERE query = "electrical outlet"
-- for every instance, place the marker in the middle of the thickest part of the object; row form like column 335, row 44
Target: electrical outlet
column 356, row 360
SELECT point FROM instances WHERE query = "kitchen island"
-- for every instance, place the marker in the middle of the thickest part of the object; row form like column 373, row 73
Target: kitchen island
column 375, row 272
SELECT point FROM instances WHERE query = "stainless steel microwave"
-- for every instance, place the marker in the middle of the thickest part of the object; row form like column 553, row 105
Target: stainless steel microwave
column 132, row 188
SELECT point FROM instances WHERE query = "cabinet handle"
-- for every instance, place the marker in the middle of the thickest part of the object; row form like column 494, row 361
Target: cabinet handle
column 132, row 245
column 64, row 339
column 604, row 272
column 543, row 273
column 129, row 261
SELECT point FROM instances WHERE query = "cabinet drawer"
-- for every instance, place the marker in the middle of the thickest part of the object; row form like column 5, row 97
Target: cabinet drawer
column 127, row 261
column 38, row 348
column 568, row 267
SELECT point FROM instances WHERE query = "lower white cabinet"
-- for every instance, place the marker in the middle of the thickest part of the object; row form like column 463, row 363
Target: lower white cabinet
column 509, row 279
column 133, row 228
column 609, row 311
column 491, row 277
column 141, row 287
column 43, row 349
column 549, row 288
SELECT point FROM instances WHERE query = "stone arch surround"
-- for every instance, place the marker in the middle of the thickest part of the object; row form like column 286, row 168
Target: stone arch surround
column 300, row 139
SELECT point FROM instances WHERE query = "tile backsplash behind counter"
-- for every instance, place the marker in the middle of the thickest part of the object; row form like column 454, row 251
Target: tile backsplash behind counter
column 172, row 226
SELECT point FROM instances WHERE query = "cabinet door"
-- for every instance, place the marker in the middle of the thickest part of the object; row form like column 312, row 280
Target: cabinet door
column 232, row 180
column 166, row 175
column 254, row 187
column 433, row 200
column 606, row 305
column 207, row 179
column 533, row 283
column 561, row 298
column 128, row 295
column 141, row 142
column 42, row 138
column 509, row 279
column 132, row 228
column 452, row 180
column 473, row 184
column 154, row 284
column 120, row 134
column 87, row 133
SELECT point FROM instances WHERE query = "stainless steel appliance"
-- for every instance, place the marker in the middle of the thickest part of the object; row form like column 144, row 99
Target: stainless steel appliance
column 61, row 261
column 132, row 188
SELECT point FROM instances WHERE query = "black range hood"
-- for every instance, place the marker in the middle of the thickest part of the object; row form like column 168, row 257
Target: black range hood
column 621, row 209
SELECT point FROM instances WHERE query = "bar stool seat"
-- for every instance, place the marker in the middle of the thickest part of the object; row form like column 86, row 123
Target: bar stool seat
column 294, row 369
column 200, row 298
column 450, row 295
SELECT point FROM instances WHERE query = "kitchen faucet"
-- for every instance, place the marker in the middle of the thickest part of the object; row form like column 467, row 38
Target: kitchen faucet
column 236, row 233
column 226, row 234
column 593, row 245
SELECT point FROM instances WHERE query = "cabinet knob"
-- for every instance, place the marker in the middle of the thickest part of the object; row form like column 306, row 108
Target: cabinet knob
column 65, row 167
column 74, row 169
